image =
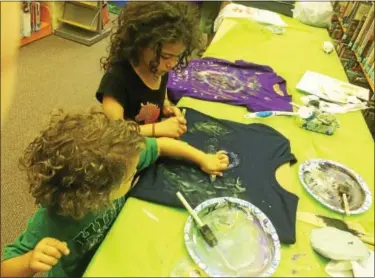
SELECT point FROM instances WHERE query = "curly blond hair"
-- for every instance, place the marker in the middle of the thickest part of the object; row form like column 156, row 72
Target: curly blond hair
column 151, row 24
column 76, row 163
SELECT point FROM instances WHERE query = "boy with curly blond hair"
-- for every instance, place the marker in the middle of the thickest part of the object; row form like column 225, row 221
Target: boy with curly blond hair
column 79, row 170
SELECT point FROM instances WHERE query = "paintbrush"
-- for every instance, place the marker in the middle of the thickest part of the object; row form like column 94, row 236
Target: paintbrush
column 347, row 226
column 206, row 231
column 344, row 193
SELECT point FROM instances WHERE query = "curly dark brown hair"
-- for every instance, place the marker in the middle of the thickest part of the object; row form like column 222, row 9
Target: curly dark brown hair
column 75, row 164
column 151, row 24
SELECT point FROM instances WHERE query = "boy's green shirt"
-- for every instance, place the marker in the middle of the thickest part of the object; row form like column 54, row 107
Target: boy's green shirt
column 82, row 236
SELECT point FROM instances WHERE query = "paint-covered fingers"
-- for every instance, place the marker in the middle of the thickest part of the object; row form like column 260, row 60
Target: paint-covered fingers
column 223, row 157
column 214, row 163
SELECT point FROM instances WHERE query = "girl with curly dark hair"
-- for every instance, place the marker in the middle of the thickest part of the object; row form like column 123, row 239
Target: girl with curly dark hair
column 151, row 39
column 79, row 170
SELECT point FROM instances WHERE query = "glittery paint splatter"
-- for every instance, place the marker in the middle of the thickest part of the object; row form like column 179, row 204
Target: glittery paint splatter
column 234, row 160
column 196, row 186
column 228, row 82
column 210, row 128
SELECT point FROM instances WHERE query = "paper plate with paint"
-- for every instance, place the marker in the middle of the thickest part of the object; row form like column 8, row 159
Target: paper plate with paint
column 248, row 245
column 322, row 179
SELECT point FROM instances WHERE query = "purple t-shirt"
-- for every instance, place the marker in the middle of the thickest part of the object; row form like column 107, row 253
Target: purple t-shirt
column 257, row 87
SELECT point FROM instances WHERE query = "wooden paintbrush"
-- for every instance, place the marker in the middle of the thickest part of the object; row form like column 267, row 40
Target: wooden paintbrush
column 206, row 231
column 344, row 194
column 347, row 226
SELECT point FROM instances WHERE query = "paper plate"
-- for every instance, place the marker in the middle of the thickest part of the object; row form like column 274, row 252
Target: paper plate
column 248, row 245
column 321, row 179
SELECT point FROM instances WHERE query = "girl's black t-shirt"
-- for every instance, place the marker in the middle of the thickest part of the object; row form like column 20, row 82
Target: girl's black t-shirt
column 255, row 152
column 140, row 103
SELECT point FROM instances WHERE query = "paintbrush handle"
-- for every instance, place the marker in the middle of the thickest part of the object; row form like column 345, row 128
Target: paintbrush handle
column 346, row 204
column 190, row 210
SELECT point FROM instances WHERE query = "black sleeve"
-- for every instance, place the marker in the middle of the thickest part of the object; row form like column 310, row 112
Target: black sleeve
column 113, row 84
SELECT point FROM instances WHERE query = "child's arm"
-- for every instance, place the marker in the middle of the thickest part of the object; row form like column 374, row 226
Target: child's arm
column 169, row 109
column 112, row 108
column 209, row 163
column 42, row 258
column 173, row 127
column 17, row 267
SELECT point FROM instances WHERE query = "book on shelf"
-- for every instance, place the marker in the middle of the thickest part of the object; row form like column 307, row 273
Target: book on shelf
column 368, row 39
column 369, row 60
column 30, row 18
column 348, row 11
column 36, row 11
column 26, row 19
column 366, row 53
column 356, row 19
column 366, row 26
column 347, row 19
column 357, row 30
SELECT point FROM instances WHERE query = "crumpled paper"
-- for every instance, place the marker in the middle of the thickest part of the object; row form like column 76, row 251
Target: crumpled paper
column 316, row 14
column 261, row 16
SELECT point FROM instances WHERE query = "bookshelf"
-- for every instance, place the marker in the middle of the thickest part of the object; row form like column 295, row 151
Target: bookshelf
column 44, row 27
column 370, row 82
column 81, row 21
column 352, row 30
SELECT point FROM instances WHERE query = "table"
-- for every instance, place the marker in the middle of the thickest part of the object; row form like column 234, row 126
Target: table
column 146, row 239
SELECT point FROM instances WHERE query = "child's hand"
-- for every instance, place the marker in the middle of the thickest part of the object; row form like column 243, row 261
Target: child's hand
column 171, row 110
column 172, row 127
column 46, row 254
column 213, row 164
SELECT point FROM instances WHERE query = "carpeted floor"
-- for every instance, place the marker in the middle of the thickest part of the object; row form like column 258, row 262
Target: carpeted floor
column 53, row 73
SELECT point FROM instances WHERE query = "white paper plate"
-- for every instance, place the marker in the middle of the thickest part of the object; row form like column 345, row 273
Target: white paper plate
column 320, row 177
column 248, row 245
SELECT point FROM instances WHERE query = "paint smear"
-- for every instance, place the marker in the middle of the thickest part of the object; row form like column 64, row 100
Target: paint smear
column 234, row 159
column 196, row 186
column 210, row 128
